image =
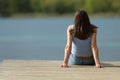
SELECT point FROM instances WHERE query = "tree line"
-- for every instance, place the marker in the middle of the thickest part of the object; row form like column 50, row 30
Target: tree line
column 10, row 7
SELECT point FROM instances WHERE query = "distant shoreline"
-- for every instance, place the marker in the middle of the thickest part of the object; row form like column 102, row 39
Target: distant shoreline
column 37, row 15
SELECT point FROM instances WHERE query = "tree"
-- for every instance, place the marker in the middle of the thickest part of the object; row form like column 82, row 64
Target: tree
column 23, row 6
column 116, row 6
column 35, row 5
column 6, row 7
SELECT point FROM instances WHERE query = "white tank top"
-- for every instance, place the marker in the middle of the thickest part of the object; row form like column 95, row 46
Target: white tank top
column 81, row 47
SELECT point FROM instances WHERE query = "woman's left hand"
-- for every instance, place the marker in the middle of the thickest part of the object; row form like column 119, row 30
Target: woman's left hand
column 99, row 66
column 64, row 65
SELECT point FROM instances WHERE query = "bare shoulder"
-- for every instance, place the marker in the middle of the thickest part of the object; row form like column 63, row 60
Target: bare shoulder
column 70, row 29
column 94, row 28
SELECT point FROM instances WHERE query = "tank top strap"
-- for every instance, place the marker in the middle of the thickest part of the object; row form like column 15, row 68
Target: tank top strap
column 72, row 26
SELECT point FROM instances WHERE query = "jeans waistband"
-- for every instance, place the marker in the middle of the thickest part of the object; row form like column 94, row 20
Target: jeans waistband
column 86, row 57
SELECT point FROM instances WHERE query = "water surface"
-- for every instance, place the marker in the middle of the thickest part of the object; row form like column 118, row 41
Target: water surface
column 45, row 38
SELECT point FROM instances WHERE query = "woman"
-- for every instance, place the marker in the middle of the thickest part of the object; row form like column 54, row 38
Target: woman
column 81, row 47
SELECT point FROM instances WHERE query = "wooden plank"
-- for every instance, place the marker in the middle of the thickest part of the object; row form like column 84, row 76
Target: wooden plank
column 51, row 70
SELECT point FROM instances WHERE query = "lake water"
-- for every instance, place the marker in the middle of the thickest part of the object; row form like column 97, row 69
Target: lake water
column 45, row 38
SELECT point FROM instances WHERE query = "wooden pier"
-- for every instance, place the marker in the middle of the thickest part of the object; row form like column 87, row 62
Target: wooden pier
column 51, row 70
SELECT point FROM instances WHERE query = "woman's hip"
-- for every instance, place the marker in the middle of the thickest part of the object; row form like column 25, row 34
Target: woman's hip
column 87, row 60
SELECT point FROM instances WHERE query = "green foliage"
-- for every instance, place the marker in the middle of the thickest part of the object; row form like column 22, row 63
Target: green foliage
column 34, row 5
column 49, row 5
column 64, row 6
column 6, row 7
column 88, row 6
column 116, row 6
column 23, row 6
column 95, row 6
column 9, row 7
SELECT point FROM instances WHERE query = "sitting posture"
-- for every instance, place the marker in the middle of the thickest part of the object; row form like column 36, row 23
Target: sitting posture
column 81, row 47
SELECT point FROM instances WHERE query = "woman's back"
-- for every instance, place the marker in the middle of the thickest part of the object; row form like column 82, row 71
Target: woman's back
column 81, row 47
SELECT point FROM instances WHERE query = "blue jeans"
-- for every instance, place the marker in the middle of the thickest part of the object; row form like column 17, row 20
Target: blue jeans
column 80, row 60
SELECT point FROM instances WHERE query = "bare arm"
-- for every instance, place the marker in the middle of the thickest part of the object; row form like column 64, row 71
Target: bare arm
column 67, row 47
column 95, row 50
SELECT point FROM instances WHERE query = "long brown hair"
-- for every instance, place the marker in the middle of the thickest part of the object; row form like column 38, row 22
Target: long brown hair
column 82, row 26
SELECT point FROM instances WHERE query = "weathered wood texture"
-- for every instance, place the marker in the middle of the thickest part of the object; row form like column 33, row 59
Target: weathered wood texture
column 51, row 70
